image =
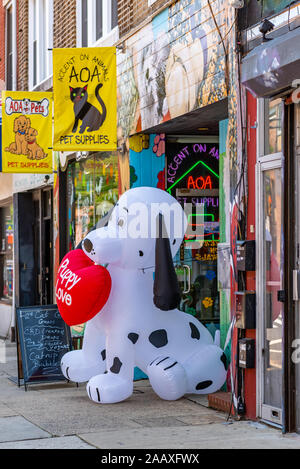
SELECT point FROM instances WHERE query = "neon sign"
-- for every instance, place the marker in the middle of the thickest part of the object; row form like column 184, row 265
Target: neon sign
column 210, row 228
column 199, row 183
column 209, row 202
column 191, row 169
column 174, row 165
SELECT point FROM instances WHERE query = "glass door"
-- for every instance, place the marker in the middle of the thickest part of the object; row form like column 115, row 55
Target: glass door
column 46, row 248
column 269, row 289
column 42, row 246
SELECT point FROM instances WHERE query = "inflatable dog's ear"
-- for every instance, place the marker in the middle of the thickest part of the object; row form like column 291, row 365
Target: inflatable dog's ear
column 166, row 288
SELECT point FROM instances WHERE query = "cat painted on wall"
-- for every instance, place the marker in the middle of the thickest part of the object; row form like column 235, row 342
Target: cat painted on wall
column 91, row 117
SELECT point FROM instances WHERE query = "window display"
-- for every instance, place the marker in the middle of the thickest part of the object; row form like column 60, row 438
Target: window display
column 92, row 192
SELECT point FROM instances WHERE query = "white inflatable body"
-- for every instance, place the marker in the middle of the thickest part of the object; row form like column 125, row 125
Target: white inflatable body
column 172, row 347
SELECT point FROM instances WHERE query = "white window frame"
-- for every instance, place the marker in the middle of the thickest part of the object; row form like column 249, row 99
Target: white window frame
column 109, row 36
column 8, row 5
column 44, row 48
column 263, row 411
column 264, row 162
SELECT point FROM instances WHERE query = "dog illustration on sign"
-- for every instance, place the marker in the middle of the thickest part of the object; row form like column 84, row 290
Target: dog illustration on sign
column 34, row 151
column 25, row 140
column 21, row 126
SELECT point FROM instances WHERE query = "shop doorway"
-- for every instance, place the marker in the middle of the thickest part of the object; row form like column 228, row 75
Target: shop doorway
column 42, row 200
column 192, row 177
column 33, row 247
column 270, row 288
column 296, row 276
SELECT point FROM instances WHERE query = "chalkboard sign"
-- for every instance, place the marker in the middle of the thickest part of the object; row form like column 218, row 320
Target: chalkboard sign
column 44, row 338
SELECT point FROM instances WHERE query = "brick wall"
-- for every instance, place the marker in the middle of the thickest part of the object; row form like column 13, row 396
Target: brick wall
column 64, row 23
column 132, row 12
column 22, row 46
column 2, row 46
column 64, row 34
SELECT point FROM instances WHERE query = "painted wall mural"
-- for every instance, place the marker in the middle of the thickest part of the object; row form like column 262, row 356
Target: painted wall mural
column 173, row 65
column 147, row 160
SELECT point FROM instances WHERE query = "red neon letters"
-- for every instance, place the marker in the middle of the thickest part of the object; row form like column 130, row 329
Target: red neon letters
column 199, row 183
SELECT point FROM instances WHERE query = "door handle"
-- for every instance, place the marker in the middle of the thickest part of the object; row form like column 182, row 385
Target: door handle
column 296, row 285
column 187, row 282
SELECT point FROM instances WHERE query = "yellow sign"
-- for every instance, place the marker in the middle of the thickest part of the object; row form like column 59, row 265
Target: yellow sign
column 85, row 99
column 26, row 132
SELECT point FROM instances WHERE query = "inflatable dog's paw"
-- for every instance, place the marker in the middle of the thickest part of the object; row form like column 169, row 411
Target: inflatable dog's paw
column 206, row 377
column 108, row 389
column 75, row 367
column 167, row 378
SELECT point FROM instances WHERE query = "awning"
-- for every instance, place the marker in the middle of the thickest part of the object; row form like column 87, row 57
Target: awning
column 272, row 66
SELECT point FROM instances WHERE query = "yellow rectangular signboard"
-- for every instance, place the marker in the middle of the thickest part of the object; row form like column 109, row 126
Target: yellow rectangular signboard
column 85, row 99
column 26, row 132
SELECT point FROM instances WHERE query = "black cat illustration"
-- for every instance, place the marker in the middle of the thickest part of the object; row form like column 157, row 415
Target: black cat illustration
column 91, row 117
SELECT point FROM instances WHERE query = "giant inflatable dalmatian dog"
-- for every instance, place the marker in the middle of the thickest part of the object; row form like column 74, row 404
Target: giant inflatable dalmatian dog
column 139, row 324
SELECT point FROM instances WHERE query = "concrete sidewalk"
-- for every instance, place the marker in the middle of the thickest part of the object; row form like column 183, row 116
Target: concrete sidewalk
column 60, row 415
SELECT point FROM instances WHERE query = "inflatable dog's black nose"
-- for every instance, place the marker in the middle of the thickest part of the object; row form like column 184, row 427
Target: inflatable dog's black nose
column 88, row 245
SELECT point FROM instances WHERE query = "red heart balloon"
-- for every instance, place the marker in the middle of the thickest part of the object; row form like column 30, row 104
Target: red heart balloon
column 82, row 288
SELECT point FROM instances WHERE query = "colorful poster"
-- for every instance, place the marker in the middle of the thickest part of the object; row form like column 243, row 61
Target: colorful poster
column 85, row 99
column 26, row 132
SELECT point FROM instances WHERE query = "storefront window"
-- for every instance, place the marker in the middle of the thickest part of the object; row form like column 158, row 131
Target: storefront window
column 92, row 191
column 193, row 179
column 6, row 253
column 273, row 122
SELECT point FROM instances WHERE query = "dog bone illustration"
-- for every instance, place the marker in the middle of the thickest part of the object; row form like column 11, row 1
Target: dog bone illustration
column 45, row 105
column 31, row 107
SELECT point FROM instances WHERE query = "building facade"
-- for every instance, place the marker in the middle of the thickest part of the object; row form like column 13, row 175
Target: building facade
column 206, row 111
column 177, row 112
